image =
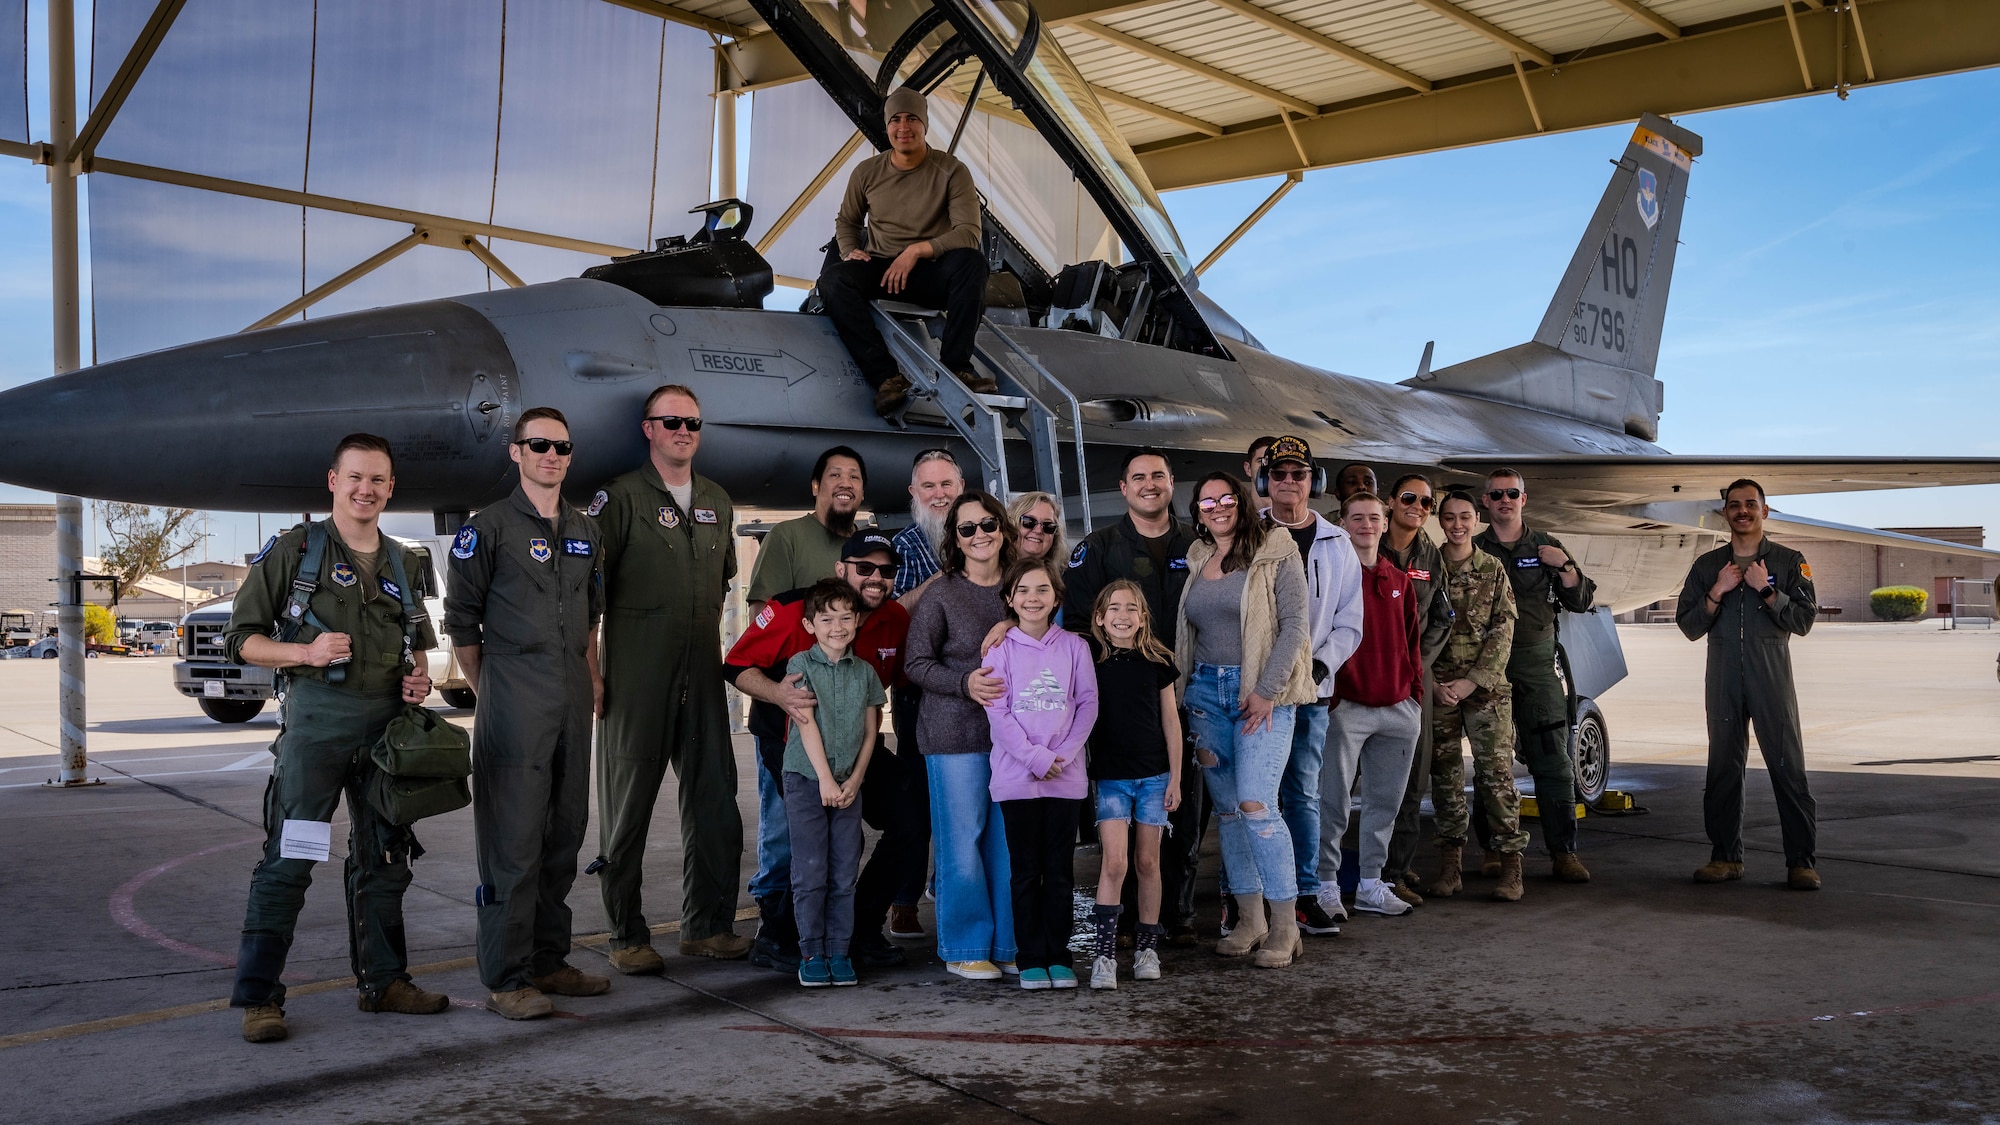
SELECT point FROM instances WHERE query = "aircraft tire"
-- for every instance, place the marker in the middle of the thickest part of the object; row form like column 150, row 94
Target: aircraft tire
column 1590, row 745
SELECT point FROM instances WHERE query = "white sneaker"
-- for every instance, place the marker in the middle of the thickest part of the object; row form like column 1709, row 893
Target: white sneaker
column 1329, row 901
column 1146, row 965
column 1104, row 973
column 1377, row 897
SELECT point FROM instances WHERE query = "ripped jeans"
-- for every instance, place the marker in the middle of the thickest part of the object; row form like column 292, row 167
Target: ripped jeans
column 1244, row 769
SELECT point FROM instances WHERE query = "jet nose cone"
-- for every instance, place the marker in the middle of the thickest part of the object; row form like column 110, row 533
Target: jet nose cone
column 249, row 422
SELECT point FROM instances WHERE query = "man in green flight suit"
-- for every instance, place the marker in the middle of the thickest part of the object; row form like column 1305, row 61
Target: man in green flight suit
column 337, row 633
column 1545, row 579
column 668, row 536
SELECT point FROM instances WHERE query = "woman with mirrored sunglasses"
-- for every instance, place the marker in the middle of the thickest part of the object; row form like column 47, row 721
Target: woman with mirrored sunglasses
column 1037, row 518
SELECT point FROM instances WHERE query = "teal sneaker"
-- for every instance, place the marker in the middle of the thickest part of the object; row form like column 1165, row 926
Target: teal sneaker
column 1033, row 979
column 842, row 971
column 816, row 972
column 1060, row 976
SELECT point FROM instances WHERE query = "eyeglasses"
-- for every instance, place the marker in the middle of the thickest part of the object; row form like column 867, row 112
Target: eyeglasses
column 675, row 422
column 934, row 455
column 543, row 445
column 1029, row 523
column 868, row 569
column 1291, row 474
column 1423, row 502
column 968, row 529
column 1503, row 494
column 1211, row 503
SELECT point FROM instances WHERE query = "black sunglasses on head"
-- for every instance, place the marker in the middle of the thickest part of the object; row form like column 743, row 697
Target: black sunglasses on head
column 542, row 445
column 1412, row 498
column 868, row 569
column 1029, row 523
column 968, row 529
column 675, row 422
column 1503, row 494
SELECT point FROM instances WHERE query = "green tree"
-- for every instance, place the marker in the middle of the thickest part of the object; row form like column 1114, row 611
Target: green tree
column 145, row 540
column 99, row 625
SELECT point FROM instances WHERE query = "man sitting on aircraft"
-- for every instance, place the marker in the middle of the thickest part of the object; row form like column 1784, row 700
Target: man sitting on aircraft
column 920, row 244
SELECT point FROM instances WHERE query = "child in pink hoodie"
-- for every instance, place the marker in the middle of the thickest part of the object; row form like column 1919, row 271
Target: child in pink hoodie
column 1040, row 725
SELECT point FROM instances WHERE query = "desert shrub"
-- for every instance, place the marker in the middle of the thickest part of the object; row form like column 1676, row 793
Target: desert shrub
column 1899, row 603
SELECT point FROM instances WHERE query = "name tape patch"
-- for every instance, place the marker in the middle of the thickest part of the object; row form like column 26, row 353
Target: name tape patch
column 704, row 515
column 577, row 547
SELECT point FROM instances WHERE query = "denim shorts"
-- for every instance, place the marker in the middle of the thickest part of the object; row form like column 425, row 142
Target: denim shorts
column 1143, row 799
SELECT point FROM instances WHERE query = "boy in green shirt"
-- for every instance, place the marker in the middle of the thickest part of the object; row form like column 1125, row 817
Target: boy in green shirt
column 825, row 760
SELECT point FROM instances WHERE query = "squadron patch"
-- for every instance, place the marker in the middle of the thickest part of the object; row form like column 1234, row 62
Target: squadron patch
column 343, row 574
column 704, row 515
column 538, row 550
column 1648, row 198
column 577, row 547
column 466, row 543
column 1805, row 569
column 268, row 544
column 391, row 589
column 670, row 516
column 1076, row 556
column 597, row 503
column 1177, row 564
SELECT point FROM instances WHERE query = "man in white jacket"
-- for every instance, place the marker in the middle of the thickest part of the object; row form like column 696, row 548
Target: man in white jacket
column 1333, row 577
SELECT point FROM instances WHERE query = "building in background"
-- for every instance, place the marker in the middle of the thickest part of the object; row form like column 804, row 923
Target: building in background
column 27, row 557
column 1843, row 573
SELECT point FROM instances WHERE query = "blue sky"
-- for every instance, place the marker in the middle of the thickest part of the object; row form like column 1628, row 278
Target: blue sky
column 1836, row 291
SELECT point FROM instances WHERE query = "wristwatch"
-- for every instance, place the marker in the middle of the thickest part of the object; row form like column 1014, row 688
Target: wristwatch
column 1770, row 588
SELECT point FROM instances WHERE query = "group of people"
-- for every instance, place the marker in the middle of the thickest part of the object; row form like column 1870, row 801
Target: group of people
column 1290, row 660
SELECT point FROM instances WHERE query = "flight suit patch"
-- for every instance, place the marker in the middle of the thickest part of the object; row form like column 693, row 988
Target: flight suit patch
column 704, row 515
column 1076, row 556
column 597, row 503
column 670, row 517
column 1177, row 564
column 466, row 543
column 538, row 550
column 391, row 589
column 1525, row 563
column 1420, row 575
column 1805, row 569
column 578, row 547
column 273, row 541
column 343, row 574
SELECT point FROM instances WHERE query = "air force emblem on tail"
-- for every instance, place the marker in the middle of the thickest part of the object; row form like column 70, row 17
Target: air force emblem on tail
column 1648, row 198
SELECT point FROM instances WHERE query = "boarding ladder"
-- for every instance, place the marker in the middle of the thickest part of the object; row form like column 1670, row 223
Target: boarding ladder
column 983, row 420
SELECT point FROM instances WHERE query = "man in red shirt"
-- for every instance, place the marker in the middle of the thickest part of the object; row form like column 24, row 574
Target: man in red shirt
column 1373, row 726
column 756, row 665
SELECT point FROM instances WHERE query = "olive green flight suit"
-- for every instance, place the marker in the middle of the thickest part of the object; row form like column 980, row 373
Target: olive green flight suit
column 526, row 590
column 1750, row 685
column 665, row 575
column 1541, row 704
column 1424, row 563
column 1482, row 638
column 326, row 735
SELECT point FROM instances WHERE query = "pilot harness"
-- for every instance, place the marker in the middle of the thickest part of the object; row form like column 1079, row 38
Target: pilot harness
column 298, row 609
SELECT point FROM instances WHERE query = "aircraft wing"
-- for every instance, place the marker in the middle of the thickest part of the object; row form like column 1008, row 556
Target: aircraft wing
column 1607, row 480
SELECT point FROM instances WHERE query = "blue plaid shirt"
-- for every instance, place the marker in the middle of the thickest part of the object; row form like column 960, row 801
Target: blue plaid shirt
column 919, row 562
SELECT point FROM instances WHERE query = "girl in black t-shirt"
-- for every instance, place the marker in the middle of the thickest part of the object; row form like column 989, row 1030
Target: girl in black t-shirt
column 1137, row 778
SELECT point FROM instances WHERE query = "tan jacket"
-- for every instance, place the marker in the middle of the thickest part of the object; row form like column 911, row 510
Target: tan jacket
column 1260, row 621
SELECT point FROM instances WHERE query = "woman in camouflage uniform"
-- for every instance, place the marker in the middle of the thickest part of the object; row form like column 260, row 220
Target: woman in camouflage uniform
column 1472, row 699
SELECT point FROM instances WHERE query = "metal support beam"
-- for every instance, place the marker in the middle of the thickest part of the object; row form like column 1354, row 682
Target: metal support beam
column 341, row 280
column 1193, row 124
column 1527, row 93
column 351, row 207
column 725, row 144
column 1798, row 45
column 1331, row 46
column 806, row 196
column 1291, row 181
column 1647, row 16
column 490, row 260
column 1861, row 38
column 1499, row 35
column 34, row 151
column 1160, row 54
column 120, row 86
column 685, row 18
column 1298, row 145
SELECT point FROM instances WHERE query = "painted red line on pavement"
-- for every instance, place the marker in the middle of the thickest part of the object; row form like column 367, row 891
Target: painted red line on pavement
column 1017, row 1038
column 127, row 916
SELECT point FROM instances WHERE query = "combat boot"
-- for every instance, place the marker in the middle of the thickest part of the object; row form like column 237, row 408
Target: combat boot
column 521, row 1004
column 1490, row 864
column 571, row 981
column 1718, row 871
column 1450, row 878
column 724, row 946
column 1569, row 869
column 1509, row 889
column 1802, row 878
column 638, row 960
column 1282, row 944
column 264, row 1023
column 404, row 998
column 1407, row 893
column 1249, row 928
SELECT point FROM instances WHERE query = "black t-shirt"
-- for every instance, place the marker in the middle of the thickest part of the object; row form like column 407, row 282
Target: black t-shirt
column 1128, row 740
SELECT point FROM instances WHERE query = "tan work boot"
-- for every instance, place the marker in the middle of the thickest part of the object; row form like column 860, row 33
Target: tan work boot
column 1802, row 878
column 406, row 999
column 1450, row 878
column 571, row 981
column 638, row 960
column 1569, row 869
column 1407, row 893
column 264, row 1023
column 1509, row 888
column 723, row 947
column 1490, row 864
column 521, row 1004
column 892, row 395
column 1249, row 929
column 1718, row 871
column 1282, row 943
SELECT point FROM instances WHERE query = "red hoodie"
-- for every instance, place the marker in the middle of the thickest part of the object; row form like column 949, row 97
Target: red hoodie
column 1388, row 667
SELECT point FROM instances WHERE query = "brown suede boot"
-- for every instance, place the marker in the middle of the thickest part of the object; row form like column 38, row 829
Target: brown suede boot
column 1489, row 865
column 1249, row 928
column 1569, row 869
column 1282, row 944
column 1509, row 889
column 1450, row 878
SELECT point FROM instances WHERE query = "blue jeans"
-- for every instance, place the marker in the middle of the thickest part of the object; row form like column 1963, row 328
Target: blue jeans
column 1244, row 769
column 1298, row 795
column 774, row 838
column 1142, row 799
column 975, row 908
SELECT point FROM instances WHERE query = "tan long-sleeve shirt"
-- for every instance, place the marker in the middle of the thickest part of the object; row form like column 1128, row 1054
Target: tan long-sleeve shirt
column 935, row 202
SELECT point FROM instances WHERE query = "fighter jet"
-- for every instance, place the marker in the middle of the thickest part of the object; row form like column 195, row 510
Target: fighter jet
column 1091, row 358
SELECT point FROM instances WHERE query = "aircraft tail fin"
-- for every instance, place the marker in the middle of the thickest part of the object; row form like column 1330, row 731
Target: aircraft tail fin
column 1594, row 354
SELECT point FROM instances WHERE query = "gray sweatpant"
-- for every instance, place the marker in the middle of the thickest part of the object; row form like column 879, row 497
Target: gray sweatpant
column 1378, row 743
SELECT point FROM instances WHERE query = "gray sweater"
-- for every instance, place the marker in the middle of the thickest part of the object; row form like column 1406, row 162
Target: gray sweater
column 1215, row 613
column 943, row 648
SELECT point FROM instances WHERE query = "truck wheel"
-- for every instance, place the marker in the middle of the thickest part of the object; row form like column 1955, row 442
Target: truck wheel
column 462, row 698
column 49, row 655
column 232, row 710
column 1590, row 746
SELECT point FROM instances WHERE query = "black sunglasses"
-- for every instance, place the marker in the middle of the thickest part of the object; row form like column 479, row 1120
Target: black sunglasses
column 542, row 445
column 868, row 569
column 967, row 529
column 1423, row 502
column 1029, row 523
column 1503, row 494
column 1291, row 474
column 675, row 422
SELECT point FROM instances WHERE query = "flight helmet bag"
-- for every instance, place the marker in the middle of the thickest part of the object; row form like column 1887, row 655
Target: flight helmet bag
column 422, row 763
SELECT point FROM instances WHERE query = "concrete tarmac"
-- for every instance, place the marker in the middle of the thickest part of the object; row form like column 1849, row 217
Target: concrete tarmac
column 1638, row 997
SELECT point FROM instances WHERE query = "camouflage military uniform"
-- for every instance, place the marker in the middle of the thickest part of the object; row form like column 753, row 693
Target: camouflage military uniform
column 1482, row 636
